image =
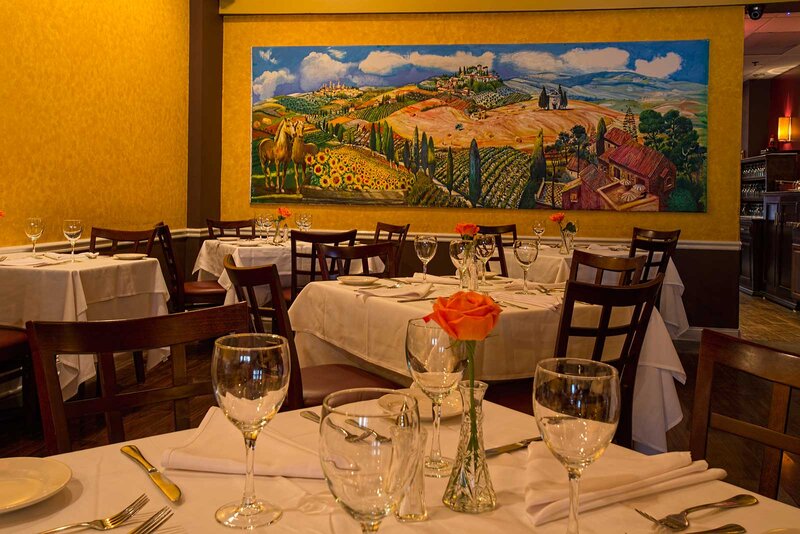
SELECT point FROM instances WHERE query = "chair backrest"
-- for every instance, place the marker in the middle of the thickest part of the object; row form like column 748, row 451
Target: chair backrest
column 639, row 300
column 502, row 239
column 780, row 368
column 393, row 233
column 174, row 275
column 314, row 238
column 217, row 228
column 659, row 245
column 342, row 256
column 628, row 270
column 138, row 239
column 245, row 281
column 104, row 338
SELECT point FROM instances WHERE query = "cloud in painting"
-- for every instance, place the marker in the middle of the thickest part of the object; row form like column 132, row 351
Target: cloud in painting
column 338, row 54
column 264, row 86
column 596, row 60
column 266, row 55
column 660, row 66
column 382, row 63
column 530, row 61
column 317, row 68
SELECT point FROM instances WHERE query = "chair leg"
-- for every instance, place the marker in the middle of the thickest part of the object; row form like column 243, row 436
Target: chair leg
column 30, row 401
column 138, row 366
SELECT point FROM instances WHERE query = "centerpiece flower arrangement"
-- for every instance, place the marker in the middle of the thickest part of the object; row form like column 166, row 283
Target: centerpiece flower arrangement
column 283, row 214
column 281, row 229
column 568, row 230
column 468, row 270
column 468, row 317
column 467, row 231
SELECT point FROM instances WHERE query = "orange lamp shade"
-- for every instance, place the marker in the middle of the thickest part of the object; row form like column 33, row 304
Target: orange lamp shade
column 788, row 129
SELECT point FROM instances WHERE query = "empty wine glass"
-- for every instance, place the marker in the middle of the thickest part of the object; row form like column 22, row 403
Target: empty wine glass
column 425, row 247
column 525, row 252
column 250, row 374
column 436, row 362
column 576, row 405
column 484, row 249
column 304, row 221
column 369, row 448
column 263, row 222
column 72, row 231
column 459, row 250
column 538, row 228
column 34, row 227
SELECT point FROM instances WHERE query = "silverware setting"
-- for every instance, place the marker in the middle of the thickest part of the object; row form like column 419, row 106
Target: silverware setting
column 348, row 436
column 167, row 487
column 155, row 521
column 521, row 444
column 109, row 522
column 378, row 437
column 417, row 299
column 680, row 521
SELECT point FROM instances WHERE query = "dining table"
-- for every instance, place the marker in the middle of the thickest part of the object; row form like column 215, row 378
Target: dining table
column 52, row 287
column 104, row 481
column 337, row 323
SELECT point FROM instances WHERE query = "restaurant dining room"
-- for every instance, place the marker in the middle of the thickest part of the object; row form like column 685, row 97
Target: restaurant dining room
column 456, row 266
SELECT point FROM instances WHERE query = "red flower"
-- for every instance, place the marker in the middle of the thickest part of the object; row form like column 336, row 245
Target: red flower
column 284, row 213
column 557, row 217
column 467, row 230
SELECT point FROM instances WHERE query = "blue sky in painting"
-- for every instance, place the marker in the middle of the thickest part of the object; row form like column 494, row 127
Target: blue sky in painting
column 284, row 70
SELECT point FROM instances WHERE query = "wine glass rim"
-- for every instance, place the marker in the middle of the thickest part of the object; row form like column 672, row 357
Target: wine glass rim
column 422, row 323
column 582, row 361
column 420, row 237
column 389, row 412
column 271, row 341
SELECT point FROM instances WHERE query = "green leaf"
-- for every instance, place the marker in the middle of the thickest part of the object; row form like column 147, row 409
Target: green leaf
column 570, row 227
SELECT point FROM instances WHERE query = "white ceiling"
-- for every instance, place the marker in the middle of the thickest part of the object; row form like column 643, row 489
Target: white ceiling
column 771, row 44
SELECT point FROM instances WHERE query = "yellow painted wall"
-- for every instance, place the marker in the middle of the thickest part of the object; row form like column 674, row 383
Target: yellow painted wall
column 93, row 113
column 723, row 26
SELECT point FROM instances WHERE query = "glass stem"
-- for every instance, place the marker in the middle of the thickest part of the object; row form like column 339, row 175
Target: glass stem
column 73, row 250
column 524, row 281
column 574, row 487
column 249, row 497
column 34, row 246
column 370, row 526
column 483, row 272
column 424, row 272
column 436, row 446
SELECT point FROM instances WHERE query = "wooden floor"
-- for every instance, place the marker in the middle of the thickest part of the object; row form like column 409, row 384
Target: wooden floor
column 760, row 321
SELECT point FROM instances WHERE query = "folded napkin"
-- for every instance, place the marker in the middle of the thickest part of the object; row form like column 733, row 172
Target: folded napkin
column 446, row 280
column 404, row 290
column 217, row 447
column 24, row 262
column 619, row 475
column 537, row 300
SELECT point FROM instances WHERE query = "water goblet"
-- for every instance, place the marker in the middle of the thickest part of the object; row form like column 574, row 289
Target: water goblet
column 34, row 227
column 425, row 247
column 304, row 221
column 437, row 363
column 72, row 231
column 484, row 249
column 576, row 405
column 538, row 228
column 262, row 224
column 369, row 447
column 459, row 250
column 525, row 252
column 250, row 375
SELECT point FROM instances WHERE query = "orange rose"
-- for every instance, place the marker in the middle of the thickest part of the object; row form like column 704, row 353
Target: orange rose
column 466, row 315
column 2, row 213
column 467, row 229
column 557, row 217
column 284, row 212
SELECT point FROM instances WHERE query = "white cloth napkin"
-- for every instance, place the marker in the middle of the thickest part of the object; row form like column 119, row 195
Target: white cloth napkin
column 217, row 447
column 405, row 290
column 438, row 279
column 537, row 300
column 620, row 474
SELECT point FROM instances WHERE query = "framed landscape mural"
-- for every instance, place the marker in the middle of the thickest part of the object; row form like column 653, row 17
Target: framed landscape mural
column 592, row 126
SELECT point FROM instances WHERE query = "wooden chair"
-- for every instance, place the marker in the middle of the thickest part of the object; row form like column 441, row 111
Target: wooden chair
column 217, row 228
column 499, row 244
column 15, row 363
column 314, row 239
column 104, row 338
column 344, row 255
column 628, row 270
column 782, row 369
column 395, row 234
column 654, row 242
column 140, row 240
column 310, row 385
column 639, row 300
column 183, row 293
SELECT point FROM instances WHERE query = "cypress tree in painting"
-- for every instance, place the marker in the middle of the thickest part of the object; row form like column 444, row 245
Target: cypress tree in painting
column 415, row 150
column 431, row 158
column 423, row 149
column 406, row 154
column 372, row 136
column 564, row 100
column 449, row 183
column 474, row 173
column 538, row 172
column 544, row 100
column 629, row 124
column 600, row 137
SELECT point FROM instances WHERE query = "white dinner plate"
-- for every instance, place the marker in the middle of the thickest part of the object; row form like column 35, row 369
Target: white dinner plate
column 451, row 406
column 130, row 256
column 357, row 280
column 247, row 244
column 26, row 481
column 228, row 239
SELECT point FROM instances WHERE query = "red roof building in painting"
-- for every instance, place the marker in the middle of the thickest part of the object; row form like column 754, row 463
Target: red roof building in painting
column 643, row 165
column 616, row 137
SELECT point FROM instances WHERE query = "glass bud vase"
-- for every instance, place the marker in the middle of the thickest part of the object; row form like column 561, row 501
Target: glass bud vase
column 470, row 488
column 281, row 232
column 567, row 238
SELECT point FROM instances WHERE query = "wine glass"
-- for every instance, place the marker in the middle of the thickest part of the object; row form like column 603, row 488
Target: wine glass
column 436, row 363
column 525, row 253
column 369, row 447
column 484, row 249
column 458, row 255
column 263, row 223
column 576, row 405
column 538, row 228
column 425, row 247
column 72, row 231
column 34, row 227
column 304, row 221
column 250, row 375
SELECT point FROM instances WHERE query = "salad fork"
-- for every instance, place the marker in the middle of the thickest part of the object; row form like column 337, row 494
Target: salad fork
column 155, row 521
column 109, row 522
column 680, row 521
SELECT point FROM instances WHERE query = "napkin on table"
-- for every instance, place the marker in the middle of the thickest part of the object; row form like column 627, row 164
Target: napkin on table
column 405, row 290
column 23, row 262
column 445, row 280
column 217, row 447
column 620, row 474
column 537, row 300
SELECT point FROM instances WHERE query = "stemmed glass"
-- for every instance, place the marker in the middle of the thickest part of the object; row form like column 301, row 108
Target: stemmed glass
column 369, row 443
column 538, row 229
column 34, row 229
column 525, row 253
column 458, row 255
column 425, row 247
column 263, row 224
column 72, row 231
column 484, row 248
column 576, row 405
column 304, row 221
column 250, row 374
column 436, row 363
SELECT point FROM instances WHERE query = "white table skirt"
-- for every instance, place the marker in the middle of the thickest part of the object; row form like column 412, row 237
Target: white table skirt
column 334, row 325
column 105, row 481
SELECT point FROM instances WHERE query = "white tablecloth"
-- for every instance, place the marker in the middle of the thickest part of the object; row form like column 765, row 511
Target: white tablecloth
column 334, row 325
column 552, row 267
column 105, row 481
column 87, row 290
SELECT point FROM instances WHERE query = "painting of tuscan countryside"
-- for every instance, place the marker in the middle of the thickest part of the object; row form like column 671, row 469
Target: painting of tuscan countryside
column 583, row 126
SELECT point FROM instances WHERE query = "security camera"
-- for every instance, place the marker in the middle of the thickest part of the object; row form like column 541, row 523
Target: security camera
column 755, row 11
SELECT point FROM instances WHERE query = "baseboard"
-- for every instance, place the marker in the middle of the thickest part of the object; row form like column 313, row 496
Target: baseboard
column 694, row 333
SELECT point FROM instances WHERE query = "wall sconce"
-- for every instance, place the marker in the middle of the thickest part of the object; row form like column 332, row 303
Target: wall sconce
column 788, row 129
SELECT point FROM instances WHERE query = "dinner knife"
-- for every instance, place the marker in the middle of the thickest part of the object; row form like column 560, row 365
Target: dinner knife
column 166, row 486
column 495, row 451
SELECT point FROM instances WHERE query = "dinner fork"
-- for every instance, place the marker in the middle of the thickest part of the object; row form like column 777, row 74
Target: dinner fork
column 155, row 521
column 348, row 436
column 680, row 520
column 109, row 522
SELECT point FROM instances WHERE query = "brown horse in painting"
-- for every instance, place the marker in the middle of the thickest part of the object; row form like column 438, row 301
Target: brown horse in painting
column 300, row 150
column 277, row 151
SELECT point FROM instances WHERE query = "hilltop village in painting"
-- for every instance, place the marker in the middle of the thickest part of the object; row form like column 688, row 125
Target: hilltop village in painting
column 593, row 126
